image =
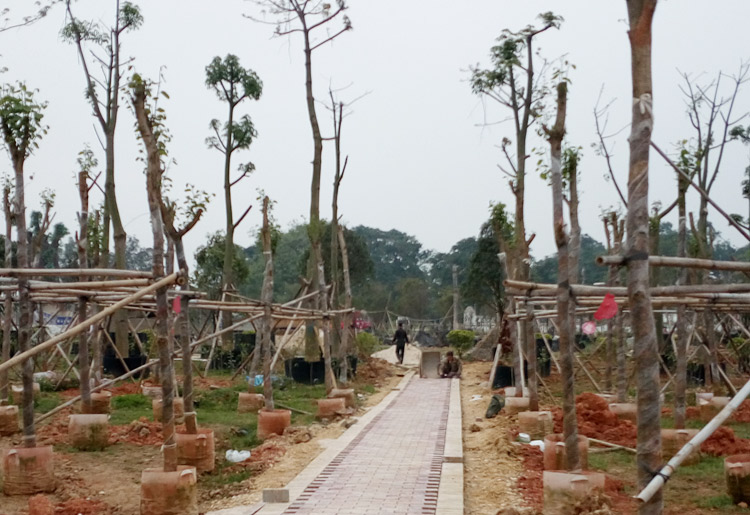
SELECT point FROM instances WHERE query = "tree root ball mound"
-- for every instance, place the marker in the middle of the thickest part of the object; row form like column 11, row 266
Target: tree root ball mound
column 41, row 505
column 374, row 369
column 724, row 442
column 595, row 420
column 139, row 432
column 530, row 482
column 743, row 413
column 81, row 507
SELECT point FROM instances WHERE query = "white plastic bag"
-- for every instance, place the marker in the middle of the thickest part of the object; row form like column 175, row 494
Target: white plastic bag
column 237, row 456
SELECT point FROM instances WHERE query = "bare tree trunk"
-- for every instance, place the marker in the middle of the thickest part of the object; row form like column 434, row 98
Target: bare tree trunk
column 227, row 276
column 680, row 383
column 456, row 323
column 531, row 358
column 183, row 328
column 314, row 228
column 654, row 229
column 338, row 117
column 24, row 321
column 266, row 297
column 82, row 244
column 574, row 250
column 510, row 309
column 570, row 423
column 119, row 235
column 640, row 14
column 153, row 186
column 8, row 302
column 347, row 318
column 622, row 360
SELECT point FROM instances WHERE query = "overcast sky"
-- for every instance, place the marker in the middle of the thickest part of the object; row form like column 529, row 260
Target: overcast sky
column 420, row 159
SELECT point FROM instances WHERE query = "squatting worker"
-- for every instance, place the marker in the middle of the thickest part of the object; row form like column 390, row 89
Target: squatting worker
column 450, row 366
column 400, row 338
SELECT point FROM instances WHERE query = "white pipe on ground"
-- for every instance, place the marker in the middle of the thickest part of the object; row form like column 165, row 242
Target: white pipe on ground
column 659, row 479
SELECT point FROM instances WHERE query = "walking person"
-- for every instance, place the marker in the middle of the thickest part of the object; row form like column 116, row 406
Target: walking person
column 400, row 338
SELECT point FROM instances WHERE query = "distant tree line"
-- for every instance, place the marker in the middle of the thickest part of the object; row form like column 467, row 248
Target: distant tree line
column 392, row 270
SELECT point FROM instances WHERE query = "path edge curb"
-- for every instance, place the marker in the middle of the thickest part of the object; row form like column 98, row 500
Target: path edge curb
column 451, row 492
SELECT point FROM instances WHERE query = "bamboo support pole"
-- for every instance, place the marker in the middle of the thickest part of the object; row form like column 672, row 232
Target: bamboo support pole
column 531, row 289
column 498, row 351
column 549, row 347
column 284, row 340
column 90, row 285
column 706, row 264
column 136, row 337
column 661, row 477
column 612, row 445
column 82, row 326
column 72, row 272
column 117, row 351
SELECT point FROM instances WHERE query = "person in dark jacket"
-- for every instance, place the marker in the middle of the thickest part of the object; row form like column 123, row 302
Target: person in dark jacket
column 400, row 338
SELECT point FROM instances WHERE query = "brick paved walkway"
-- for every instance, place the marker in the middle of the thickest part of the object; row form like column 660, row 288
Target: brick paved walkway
column 393, row 466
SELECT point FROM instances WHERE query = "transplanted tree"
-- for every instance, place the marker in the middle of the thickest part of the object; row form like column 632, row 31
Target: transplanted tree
column 711, row 111
column 101, row 46
column 192, row 211
column 309, row 18
column 150, row 127
column 649, row 458
column 513, row 82
column 565, row 314
column 232, row 84
column 22, row 128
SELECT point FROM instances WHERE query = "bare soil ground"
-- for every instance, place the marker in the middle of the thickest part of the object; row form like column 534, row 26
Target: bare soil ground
column 108, row 482
column 492, row 464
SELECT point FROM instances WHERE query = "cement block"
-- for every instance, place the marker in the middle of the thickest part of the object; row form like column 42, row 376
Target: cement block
column 276, row 495
column 428, row 364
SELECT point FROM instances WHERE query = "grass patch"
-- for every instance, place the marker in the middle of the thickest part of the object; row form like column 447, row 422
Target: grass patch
column 46, row 401
column 367, row 388
column 708, row 466
column 740, row 429
column 718, row 501
column 668, row 423
column 607, row 461
column 218, row 478
column 130, row 407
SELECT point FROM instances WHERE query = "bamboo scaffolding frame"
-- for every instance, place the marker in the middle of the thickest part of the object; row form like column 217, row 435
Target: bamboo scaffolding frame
column 531, row 289
column 83, row 325
column 705, row 264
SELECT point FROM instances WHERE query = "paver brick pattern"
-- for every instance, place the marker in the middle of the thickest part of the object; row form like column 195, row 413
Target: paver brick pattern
column 393, row 466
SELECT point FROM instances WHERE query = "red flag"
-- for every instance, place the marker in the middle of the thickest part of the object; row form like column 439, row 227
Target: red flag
column 608, row 308
column 176, row 306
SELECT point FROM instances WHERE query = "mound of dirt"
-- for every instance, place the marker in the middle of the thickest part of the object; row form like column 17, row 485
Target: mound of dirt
column 724, row 443
column 743, row 413
column 81, row 507
column 139, row 432
column 530, row 481
column 374, row 369
column 595, row 420
column 262, row 457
